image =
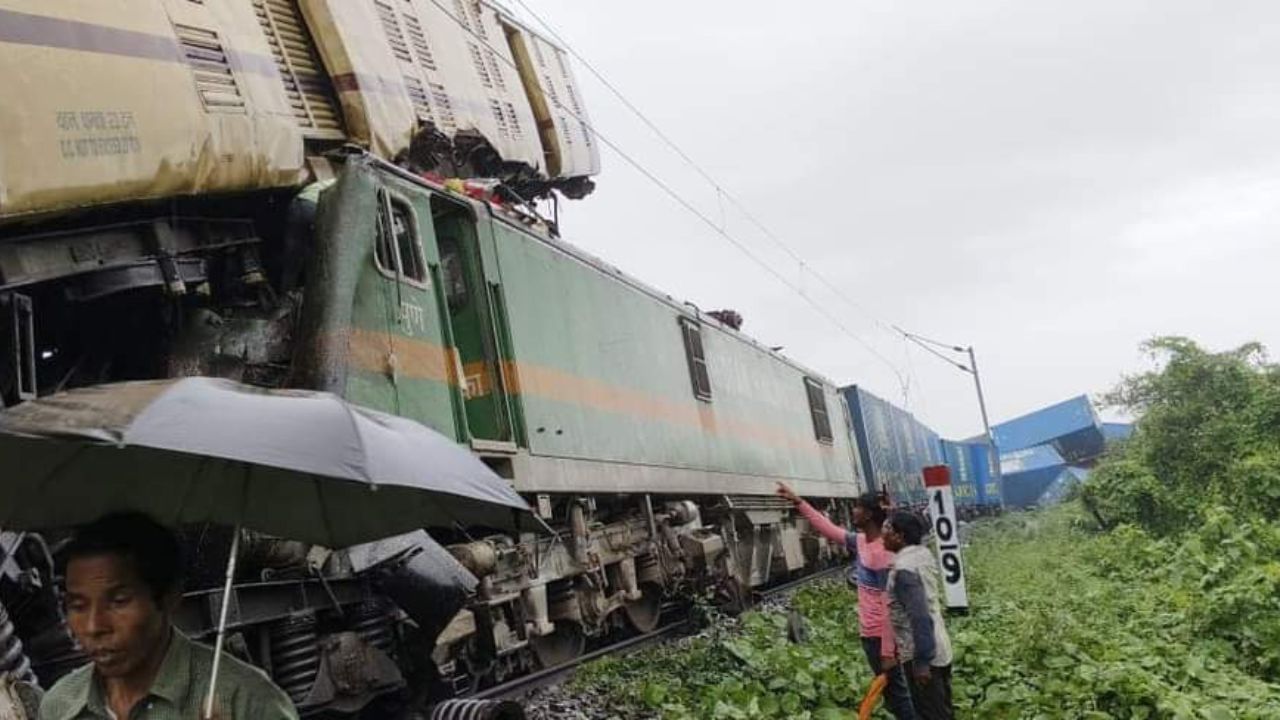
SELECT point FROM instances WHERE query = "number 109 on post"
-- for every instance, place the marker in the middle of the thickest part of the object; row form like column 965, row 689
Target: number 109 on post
column 942, row 516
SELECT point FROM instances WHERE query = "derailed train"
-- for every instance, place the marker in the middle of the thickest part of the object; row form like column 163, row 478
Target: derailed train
column 255, row 189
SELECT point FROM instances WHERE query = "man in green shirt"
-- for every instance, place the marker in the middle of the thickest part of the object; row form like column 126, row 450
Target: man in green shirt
column 123, row 579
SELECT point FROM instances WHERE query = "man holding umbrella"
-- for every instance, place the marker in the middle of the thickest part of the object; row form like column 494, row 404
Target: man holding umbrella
column 295, row 464
column 123, row 577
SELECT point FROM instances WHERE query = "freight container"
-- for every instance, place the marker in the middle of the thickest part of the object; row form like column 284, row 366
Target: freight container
column 964, row 480
column 1113, row 431
column 1067, row 480
column 1071, row 426
column 989, row 493
column 893, row 445
column 1028, row 473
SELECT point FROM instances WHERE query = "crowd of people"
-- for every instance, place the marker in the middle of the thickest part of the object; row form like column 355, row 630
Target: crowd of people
column 899, row 610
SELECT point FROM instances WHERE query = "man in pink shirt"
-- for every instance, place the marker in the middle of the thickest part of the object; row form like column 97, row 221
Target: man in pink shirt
column 870, row 573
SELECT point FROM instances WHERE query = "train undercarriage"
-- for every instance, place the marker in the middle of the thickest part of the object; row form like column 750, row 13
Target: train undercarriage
column 393, row 629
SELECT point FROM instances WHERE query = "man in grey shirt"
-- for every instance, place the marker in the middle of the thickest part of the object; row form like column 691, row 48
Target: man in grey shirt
column 123, row 584
column 915, row 611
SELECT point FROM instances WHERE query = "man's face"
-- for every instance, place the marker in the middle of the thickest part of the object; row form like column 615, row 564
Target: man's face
column 113, row 614
column 893, row 541
column 859, row 516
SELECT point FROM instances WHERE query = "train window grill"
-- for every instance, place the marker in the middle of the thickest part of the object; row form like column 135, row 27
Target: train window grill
column 573, row 99
column 418, row 97
column 398, row 251
column 477, row 60
column 697, row 357
column 418, row 39
column 549, row 89
column 566, row 132
column 513, row 121
column 501, row 117
column 495, row 69
column 444, row 108
column 460, row 12
column 391, row 28
column 478, row 19
column 211, row 68
column 537, row 52
column 306, row 84
column 818, row 410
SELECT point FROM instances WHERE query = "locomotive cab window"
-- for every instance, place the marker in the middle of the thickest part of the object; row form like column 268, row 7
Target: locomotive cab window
column 818, row 410
column 697, row 358
column 398, row 251
column 453, row 272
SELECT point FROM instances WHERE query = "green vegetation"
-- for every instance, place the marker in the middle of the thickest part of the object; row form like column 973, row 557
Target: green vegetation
column 1208, row 437
column 1156, row 597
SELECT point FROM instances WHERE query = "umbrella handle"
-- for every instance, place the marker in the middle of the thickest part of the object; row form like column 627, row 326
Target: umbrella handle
column 222, row 623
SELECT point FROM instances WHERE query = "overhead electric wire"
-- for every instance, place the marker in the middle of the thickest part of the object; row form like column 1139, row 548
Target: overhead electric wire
column 689, row 207
column 720, row 189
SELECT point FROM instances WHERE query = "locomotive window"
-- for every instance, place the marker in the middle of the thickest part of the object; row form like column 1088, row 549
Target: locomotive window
column 453, row 273
column 384, row 253
column 697, row 358
column 818, row 410
column 398, row 251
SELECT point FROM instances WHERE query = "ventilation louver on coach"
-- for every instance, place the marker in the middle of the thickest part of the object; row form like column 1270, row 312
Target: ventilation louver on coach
column 306, row 84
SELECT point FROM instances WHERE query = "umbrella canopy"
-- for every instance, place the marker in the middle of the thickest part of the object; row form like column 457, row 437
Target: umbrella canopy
column 297, row 464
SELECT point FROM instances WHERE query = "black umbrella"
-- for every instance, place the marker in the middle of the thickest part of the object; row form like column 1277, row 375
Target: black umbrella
column 301, row 465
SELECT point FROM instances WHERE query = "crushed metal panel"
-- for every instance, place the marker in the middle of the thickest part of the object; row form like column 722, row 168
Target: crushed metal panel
column 476, row 69
column 89, row 130
column 400, row 65
column 556, row 100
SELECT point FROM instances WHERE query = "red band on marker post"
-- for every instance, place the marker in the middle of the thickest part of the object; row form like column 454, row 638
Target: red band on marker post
column 937, row 476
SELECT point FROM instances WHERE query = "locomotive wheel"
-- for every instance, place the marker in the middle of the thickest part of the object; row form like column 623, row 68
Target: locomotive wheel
column 644, row 614
column 566, row 643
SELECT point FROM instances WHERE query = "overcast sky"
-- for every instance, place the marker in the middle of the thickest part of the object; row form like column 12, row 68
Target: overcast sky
column 1051, row 181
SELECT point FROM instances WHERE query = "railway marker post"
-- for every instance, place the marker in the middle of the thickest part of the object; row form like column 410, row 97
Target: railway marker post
column 942, row 517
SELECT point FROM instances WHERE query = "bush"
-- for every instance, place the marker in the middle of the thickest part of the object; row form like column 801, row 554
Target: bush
column 1207, row 435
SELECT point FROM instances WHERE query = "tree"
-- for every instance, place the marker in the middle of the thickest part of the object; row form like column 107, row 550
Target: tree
column 1208, row 434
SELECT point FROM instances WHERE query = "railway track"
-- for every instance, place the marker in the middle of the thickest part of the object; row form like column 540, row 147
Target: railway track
column 522, row 686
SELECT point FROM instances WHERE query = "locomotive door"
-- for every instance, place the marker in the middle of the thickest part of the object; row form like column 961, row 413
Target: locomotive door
column 470, row 304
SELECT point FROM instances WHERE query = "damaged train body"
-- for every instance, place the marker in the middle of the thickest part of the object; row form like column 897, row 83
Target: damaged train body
column 255, row 189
